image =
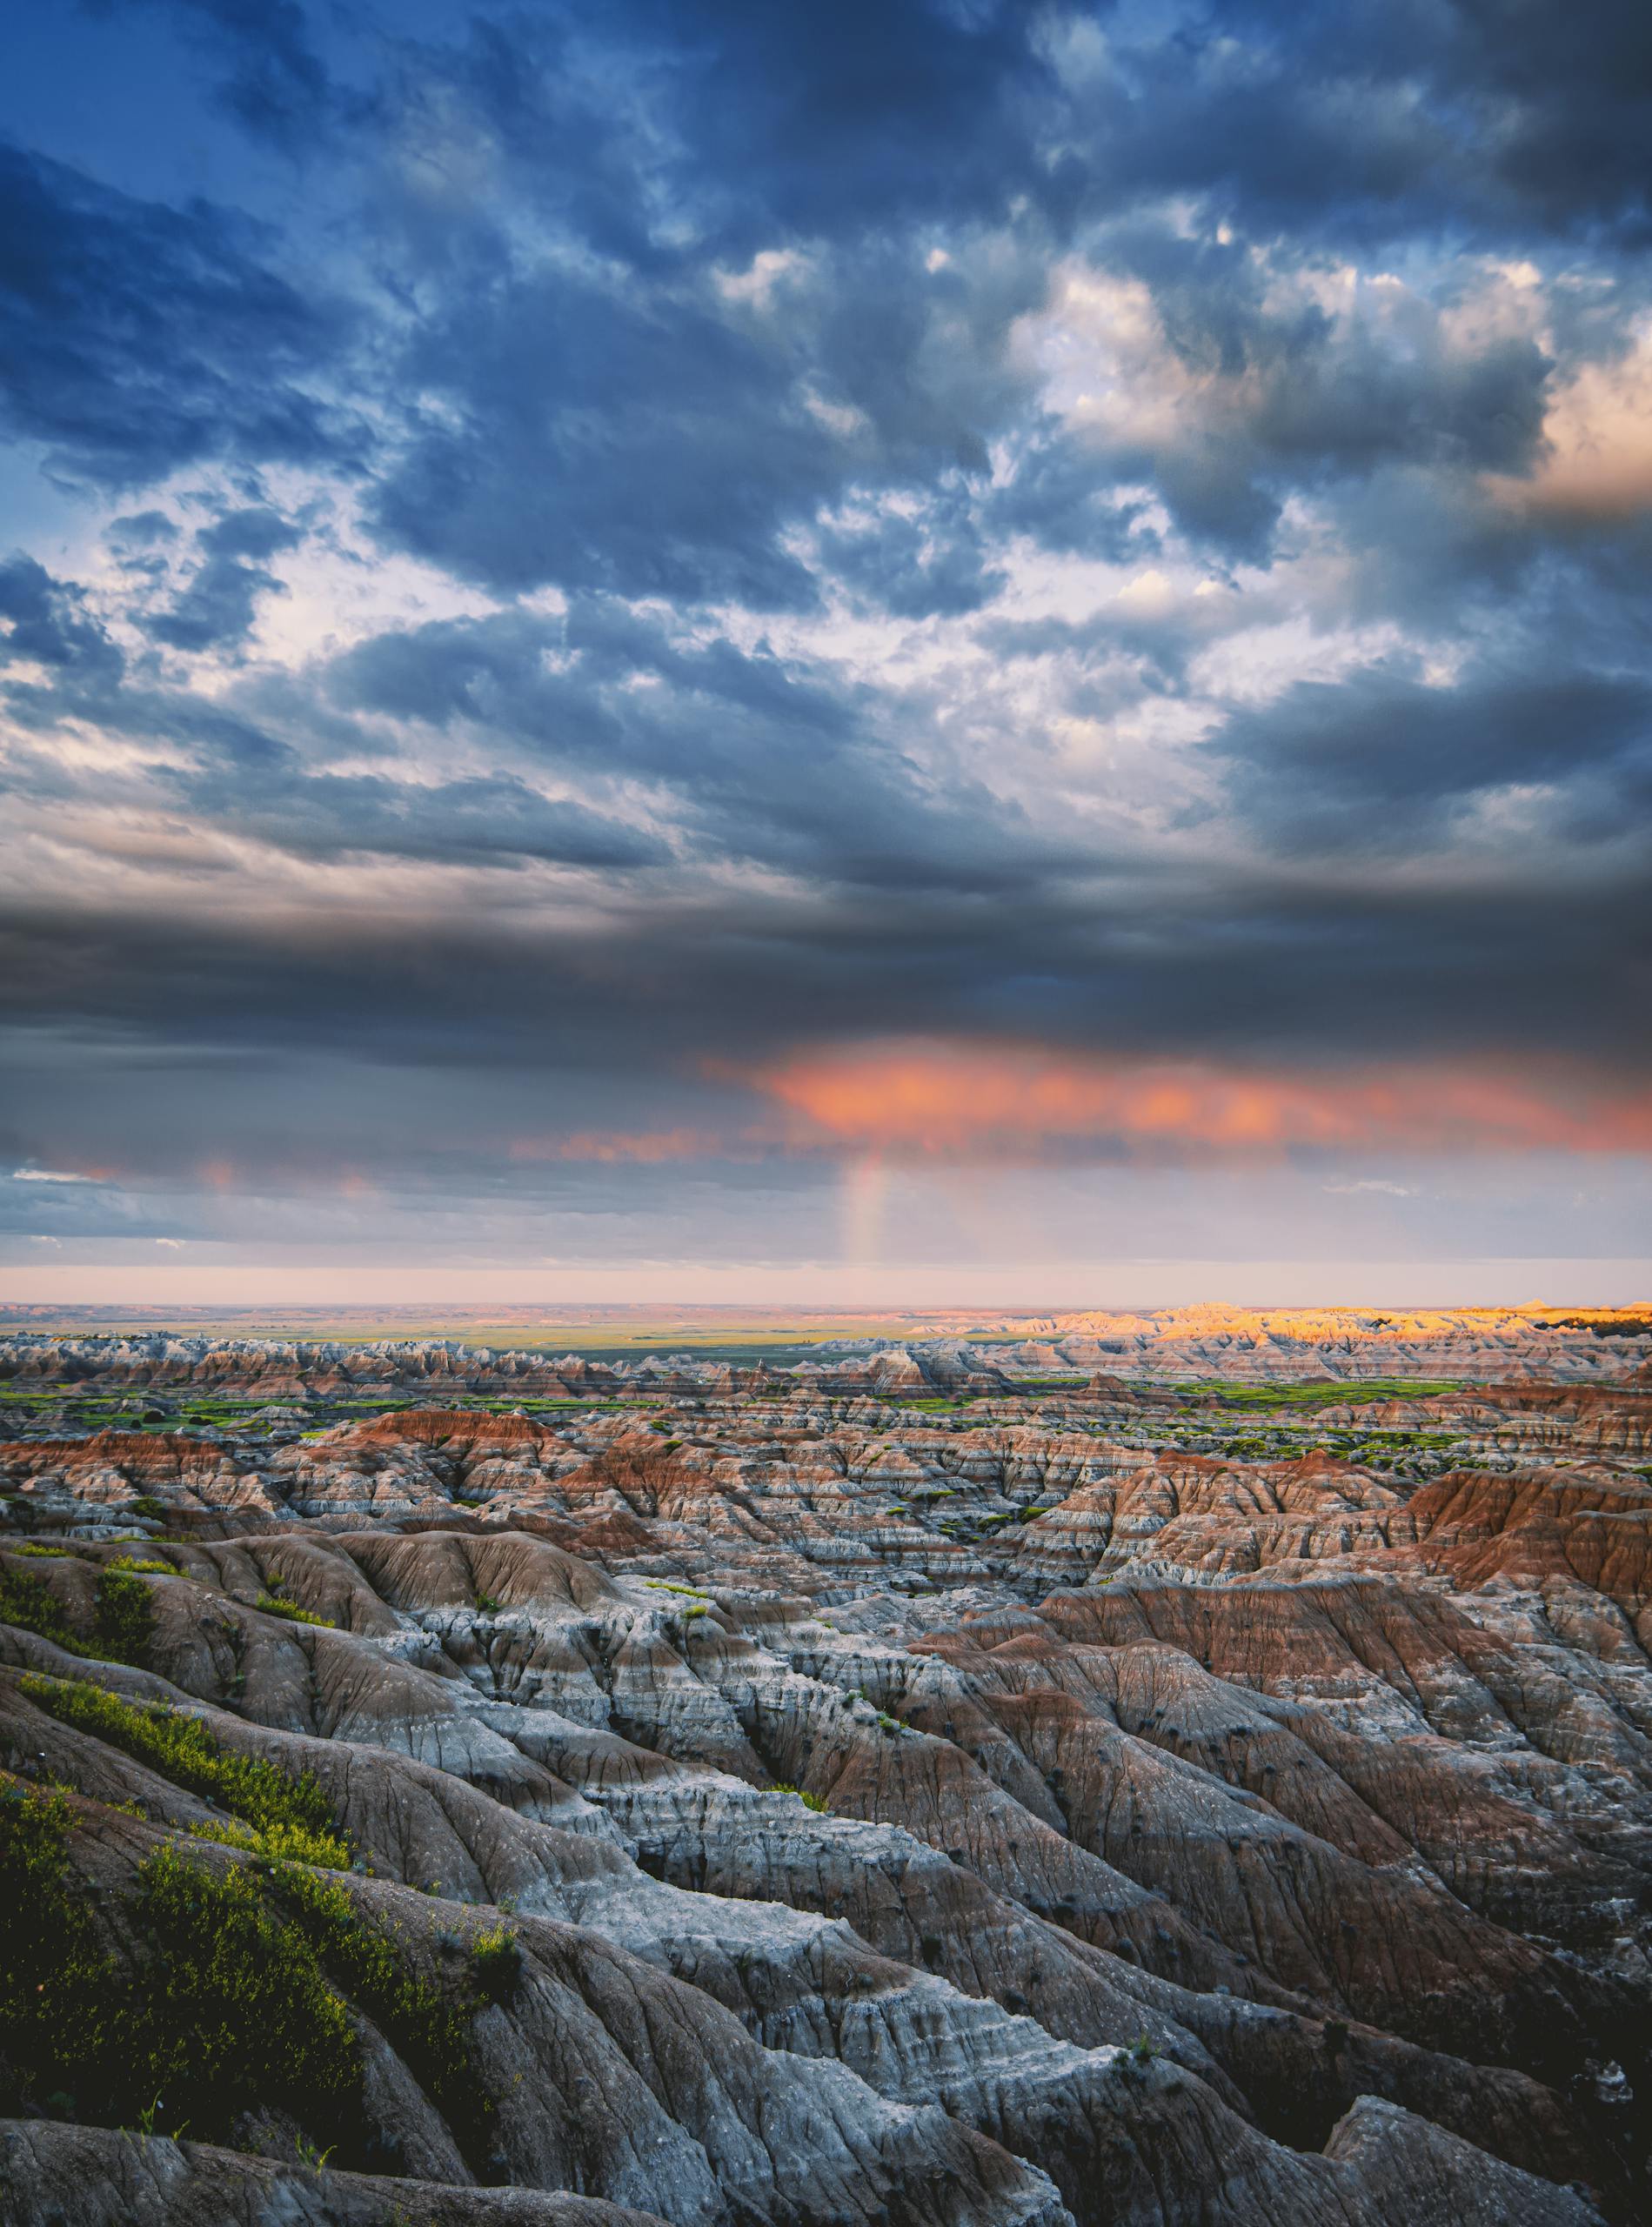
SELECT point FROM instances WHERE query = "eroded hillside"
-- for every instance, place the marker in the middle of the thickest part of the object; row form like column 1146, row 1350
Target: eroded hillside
column 891, row 1789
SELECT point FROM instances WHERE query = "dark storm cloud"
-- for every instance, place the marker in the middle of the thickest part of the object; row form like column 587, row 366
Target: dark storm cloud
column 649, row 410
column 135, row 337
column 217, row 604
column 1381, row 119
column 811, row 120
column 664, row 440
column 490, row 821
column 47, row 623
column 759, row 758
column 1550, row 110
column 1241, row 970
column 606, row 444
column 267, row 74
column 623, row 418
column 1370, row 760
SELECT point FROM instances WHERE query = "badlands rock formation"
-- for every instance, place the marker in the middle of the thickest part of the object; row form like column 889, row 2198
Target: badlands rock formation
column 1468, row 1342
column 1477, row 1345
column 745, row 1796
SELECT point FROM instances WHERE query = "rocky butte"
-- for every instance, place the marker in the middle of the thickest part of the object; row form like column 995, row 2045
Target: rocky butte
column 1128, row 1771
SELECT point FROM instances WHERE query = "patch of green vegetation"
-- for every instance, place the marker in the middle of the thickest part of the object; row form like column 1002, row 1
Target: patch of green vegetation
column 276, row 1604
column 235, row 2003
column 230, row 2010
column 152, row 1509
column 281, row 1807
column 668, row 1585
column 227, row 2009
column 32, row 1548
column 124, row 1619
column 33, row 1607
column 431, row 2036
column 488, row 1604
column 809, row 1800
column 151, row 1568
column 54, row 1979
column 1320, row 1392
column 496, row 1954
column 276, row 1843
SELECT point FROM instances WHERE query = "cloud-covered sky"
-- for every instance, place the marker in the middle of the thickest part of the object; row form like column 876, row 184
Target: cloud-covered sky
column 817, row 649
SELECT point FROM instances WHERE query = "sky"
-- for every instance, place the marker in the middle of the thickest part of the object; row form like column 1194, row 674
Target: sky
column 915, row 650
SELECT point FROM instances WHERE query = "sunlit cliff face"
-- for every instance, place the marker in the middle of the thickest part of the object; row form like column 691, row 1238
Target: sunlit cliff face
column 607, row 614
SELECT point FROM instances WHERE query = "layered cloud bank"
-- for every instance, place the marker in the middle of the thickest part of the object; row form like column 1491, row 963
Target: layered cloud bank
column 908, row 634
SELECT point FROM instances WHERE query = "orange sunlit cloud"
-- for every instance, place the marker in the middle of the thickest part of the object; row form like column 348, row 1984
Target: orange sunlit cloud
column 983, row 1100
column 643, row 1147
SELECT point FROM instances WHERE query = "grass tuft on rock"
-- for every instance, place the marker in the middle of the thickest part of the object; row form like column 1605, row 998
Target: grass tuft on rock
column 276, row 1604
column 496, row 1954
column 224, row 2009
column 54, row 1979
column 287, row 1814
column 229, row 2009
column 33, row 1607
column 234, row 1998
column 431, row 2034
column 124, row 1624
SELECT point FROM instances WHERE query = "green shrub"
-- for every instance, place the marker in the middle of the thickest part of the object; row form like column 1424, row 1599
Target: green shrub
column 431, row 2036
column 180, row 1748
column 146, row 1505
column 33, row 1607
column 488, row 1605
column 276, row 1604
column 151, row 1568
column 124, row 1624
column 496, row 1955
column 276, row 1843
column 54, row 1981
column 34, row 1549
column 234, row 2000
column 228, row 2009
column 809, row 1800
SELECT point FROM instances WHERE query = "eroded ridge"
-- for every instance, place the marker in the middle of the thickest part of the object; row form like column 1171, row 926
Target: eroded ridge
column 918, row 1792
